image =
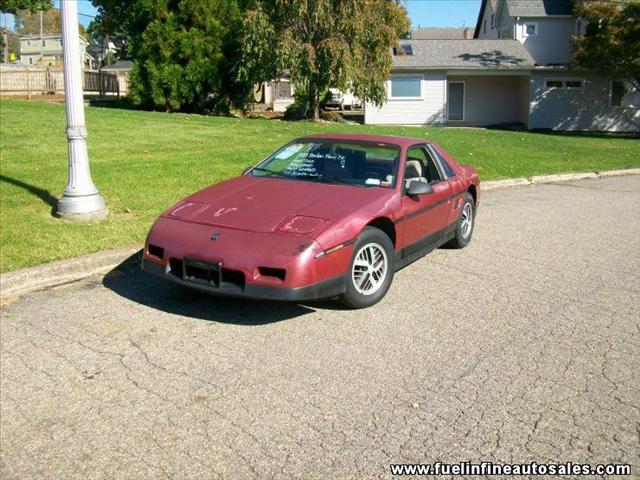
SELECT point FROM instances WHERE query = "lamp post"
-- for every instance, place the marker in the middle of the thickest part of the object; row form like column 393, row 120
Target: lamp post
column 81, row 199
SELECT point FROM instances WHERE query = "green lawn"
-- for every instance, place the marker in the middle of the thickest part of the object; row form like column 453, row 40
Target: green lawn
column 142, row 162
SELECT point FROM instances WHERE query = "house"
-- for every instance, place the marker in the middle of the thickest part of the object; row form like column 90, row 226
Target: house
column 46, row 50
column 275, row 95
column 122, row 70
column 103, row 51
column 433, row 33
column 514, row 71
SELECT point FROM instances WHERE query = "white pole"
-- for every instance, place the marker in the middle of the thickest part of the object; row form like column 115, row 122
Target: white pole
column 81, row 200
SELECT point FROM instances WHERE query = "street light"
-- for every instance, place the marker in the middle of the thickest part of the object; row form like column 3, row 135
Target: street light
column 81, row 199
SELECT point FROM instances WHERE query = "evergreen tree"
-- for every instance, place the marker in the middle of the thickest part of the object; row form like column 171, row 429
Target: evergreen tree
column 183, row 51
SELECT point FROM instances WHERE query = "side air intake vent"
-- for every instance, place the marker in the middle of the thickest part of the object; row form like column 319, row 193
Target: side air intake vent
column 278, row 273
column 156, row 251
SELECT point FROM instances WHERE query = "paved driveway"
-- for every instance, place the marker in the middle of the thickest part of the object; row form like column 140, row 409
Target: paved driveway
column 523, row 347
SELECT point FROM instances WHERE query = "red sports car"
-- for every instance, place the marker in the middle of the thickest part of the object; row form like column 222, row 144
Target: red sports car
column 325, row 216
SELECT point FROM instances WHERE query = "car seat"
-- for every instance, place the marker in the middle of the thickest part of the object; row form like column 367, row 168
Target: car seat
column 413, row 172
column 341, row 165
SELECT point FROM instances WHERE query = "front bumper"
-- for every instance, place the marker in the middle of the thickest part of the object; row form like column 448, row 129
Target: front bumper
column 329, row 288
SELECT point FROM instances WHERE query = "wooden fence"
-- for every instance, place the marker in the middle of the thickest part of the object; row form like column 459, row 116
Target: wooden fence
column 50, row 80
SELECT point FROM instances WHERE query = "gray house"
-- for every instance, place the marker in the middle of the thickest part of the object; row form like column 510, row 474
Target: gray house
column 514, row 71
column 47, row 51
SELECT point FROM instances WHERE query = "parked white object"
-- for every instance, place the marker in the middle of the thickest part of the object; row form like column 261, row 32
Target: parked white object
column 342, row 100
column 81, row 199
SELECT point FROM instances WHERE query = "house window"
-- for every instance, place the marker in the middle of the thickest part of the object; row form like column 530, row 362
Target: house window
column 30, row 60
column 484, row 26
column 283, row 89
column 406, row 87
column 29, row 42
column 565, row 84
column 493, row 21
column 624, row 94
column 574, row 84
column 530, row 30
column 44, row 43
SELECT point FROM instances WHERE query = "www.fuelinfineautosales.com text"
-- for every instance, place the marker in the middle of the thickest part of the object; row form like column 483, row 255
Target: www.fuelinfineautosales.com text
column 500, row 469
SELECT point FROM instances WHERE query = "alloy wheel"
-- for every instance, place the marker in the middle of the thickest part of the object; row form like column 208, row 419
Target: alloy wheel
column 369, row 269
column 466, row 222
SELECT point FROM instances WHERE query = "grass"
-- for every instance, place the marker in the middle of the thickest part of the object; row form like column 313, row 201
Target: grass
column 142, row 162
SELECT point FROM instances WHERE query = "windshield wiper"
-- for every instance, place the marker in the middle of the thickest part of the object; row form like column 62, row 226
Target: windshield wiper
column 268, row 170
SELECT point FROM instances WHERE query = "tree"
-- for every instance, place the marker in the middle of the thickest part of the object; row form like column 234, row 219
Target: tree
column 28, row 23
column 611, row 43
column 183, row 51
column 12, row 6
column 111, row 22
column 13, row 45
column 323, row 43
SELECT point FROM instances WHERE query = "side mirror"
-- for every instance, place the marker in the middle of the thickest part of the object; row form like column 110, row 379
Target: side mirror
column 246, row 170
column 419, row 188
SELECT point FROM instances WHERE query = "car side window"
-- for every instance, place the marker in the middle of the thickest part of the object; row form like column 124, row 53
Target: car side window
column 433, row 173
column 448, row 171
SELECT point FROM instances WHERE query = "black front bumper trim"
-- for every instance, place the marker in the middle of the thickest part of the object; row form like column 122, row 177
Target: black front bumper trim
column 317, row 291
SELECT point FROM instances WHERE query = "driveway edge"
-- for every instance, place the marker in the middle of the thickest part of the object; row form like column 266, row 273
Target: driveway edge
column 561, row 177
column 20, row 282
column 26, row 280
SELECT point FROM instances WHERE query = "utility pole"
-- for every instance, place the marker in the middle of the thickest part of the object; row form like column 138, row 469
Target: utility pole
column 108, row 51
column 6, row 40
column 41, row 39
column 81, row 199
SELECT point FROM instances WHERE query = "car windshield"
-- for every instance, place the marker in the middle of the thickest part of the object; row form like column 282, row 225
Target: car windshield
column 350, row 162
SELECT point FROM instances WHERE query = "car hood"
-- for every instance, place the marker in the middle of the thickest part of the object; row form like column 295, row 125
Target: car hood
column 263, row 204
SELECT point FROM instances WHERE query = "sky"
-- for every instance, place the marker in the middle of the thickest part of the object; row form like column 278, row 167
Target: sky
column 424, row 13
column 443, row 13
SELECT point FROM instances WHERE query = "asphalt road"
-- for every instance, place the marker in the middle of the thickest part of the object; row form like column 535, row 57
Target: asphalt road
column 523, row 347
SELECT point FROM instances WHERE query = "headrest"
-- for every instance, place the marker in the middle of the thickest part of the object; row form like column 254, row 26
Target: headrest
column 413, row 169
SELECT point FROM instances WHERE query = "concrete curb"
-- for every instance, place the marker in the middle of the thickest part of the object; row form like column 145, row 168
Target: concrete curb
column 617, row 173
column 565, row 177
column 51, row 274
column 48, row 275
column 499, row 184
column 562, row 177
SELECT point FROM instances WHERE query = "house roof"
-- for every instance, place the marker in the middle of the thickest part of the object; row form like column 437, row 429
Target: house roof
column 45, row 37
column 437, row 33
column 119, row 65
column 539, row 8
column 464, row 55
column 527, row 8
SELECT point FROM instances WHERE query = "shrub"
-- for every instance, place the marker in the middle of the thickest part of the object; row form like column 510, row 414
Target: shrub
column 296, row 111
column 331, row 116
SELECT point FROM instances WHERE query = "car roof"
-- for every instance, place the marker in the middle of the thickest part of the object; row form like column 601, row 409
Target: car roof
column 390, row 139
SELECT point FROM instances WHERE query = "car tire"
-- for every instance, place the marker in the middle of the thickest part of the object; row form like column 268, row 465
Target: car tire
column 363, row 289
column 466, row 222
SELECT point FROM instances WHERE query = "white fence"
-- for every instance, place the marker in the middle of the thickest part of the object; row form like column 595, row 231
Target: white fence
column 50, row 80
